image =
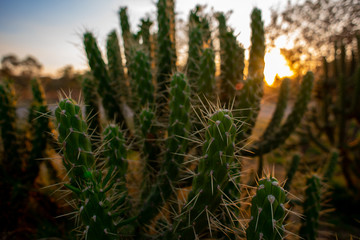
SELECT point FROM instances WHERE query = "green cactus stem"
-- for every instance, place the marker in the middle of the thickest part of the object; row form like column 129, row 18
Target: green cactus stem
column 267, row 211
column 207, row 80
column 115, row 65
column 211, row 178
column 194, row 55
column 176, row 146
column 292, row 170
column 292, row 121
column 91, row 99
column 331, row 165
column 166, row 56
column 99, row 70
column 11, row 160
column 143, row 80
column 281, row 104
column 145, row 34
column 93, row 208
column 248, row 103
column 311, row 206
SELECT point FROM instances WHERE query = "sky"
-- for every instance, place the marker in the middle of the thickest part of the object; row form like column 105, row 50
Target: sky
column 51, row 31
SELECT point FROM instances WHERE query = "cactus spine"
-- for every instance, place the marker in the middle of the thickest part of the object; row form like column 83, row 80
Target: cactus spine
column 267, row 211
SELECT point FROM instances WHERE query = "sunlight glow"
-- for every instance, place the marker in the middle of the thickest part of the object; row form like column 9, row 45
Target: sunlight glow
column 275, row 63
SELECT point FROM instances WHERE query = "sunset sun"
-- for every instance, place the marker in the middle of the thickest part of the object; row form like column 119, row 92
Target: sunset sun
column 275, row 64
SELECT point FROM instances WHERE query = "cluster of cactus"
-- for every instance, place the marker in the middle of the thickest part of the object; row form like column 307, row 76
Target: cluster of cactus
column 180, row 148
column 23, row 148
column 161, row 128
column 334, row 121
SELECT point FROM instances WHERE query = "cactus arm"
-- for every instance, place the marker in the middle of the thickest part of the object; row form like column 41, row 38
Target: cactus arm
column 115, row 65
column 207, row 80
column 11, row 160
column 291, row 122
column 292, row 170
column 85, row 180
column 91, row 100
column 165, row 57
column 331, row 165
column 98, row 67
column 176, row 144
column 248, row 105
column 309, row 228
column 211, row 179
column 143, row 80
column 276, row 118
column 267, row 211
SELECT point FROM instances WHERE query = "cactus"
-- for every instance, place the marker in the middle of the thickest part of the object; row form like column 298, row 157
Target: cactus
column 41, row 130
column 194, row 55
column 250, row 96
column 145, row 34
column 279, row 136
column 98, row 67
column 176, row 146
column 150, row 147
column 212, row 177
column 281, row 104
column 331, row 122
column 267, row 211
column 94, row 208
column 143, row 79
column 291, row 172
column 11, row 159
column 207, row 75
column 309, row 228
column 126, row 34
column 331, row 165
column 115, row 65
column 91, row 100
column 165, row 56
column 232, row 67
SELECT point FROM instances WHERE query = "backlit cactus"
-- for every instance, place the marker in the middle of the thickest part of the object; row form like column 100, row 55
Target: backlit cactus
column 166, row 56
column 267, row 211
column 10, row 159
column 291, row 172
column 115, row 65
column 106, row 91
column 251, row 94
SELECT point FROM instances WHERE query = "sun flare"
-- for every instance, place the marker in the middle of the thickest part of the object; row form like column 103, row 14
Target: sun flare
column 275, row 63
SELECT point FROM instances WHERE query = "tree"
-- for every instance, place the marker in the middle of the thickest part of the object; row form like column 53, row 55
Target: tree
column 313, row 26
column 11, row 65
